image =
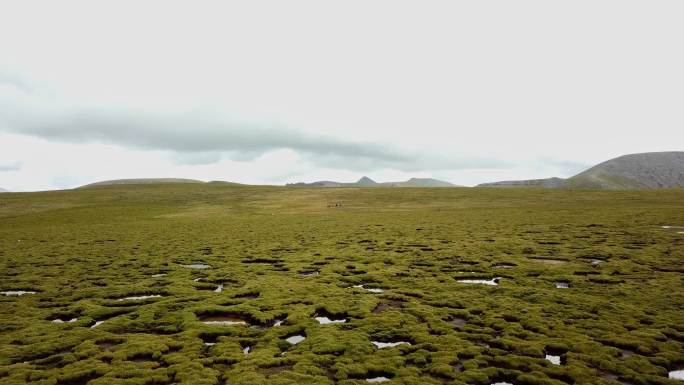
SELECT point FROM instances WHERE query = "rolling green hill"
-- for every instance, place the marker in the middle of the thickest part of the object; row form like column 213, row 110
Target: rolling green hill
column 140, row 181
column 148, row 181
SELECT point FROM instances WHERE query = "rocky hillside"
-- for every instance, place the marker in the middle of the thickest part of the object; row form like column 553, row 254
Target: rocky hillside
column 649, row 170
column 547, row 183
column 636, row 171
column 368, row 182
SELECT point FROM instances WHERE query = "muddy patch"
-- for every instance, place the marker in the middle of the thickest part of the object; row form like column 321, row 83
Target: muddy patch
column 248, row 295
column 386, row 305
column 197, row 266
column 457, row 322
column 108, row 344
column 549, row 261
column 562, row 284
column 503, row 265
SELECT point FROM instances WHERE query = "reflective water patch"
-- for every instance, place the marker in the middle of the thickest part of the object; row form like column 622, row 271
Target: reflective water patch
column 377, row 379
column 326, row 320
column 676, row 375
column 227, row 320
column 556, row 360
column 16, row 293
column 61, row 321
column 489, row 282
column 371, row 290
column 197, row 266
column 294, row 340
column 139, row 297
column 384, row 345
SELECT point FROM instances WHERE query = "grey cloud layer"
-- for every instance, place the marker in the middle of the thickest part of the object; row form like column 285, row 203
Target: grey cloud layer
column 203, row 138
column 15, row 166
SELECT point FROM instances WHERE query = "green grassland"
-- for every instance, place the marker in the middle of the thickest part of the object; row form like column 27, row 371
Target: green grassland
column 621, row 321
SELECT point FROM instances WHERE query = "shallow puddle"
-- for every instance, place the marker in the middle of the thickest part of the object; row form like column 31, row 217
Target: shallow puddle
column 96, row 324
column 224, row 320
column 246, row 350
column 490, row 282
column 139, row 297
column 158, row 275
column 16, row 293
column 326, row 320
column 219, row 288
column 294, row 340
column 309, row 273
column 384, row 345
column 502, row 383
column 61, row 321
column 371, row 290
column 676, row 375
column 556, row 360
column 562, row 285
column 377, row 379
column 197, row 266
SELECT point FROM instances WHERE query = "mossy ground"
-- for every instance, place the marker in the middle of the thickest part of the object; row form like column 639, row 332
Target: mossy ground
column 621, row 320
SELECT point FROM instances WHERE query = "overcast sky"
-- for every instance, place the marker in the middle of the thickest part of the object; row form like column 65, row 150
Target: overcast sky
column 285, row 91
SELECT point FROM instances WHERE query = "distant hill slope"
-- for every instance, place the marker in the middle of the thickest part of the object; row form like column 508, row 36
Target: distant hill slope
column 2, row 190
column 420, row 182
column 644, row 171
column 547, row 183
column 649, row 170
column 141, row 181
column 368, row 182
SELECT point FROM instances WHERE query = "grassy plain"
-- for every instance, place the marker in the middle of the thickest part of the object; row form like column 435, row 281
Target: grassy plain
column 282, row 254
